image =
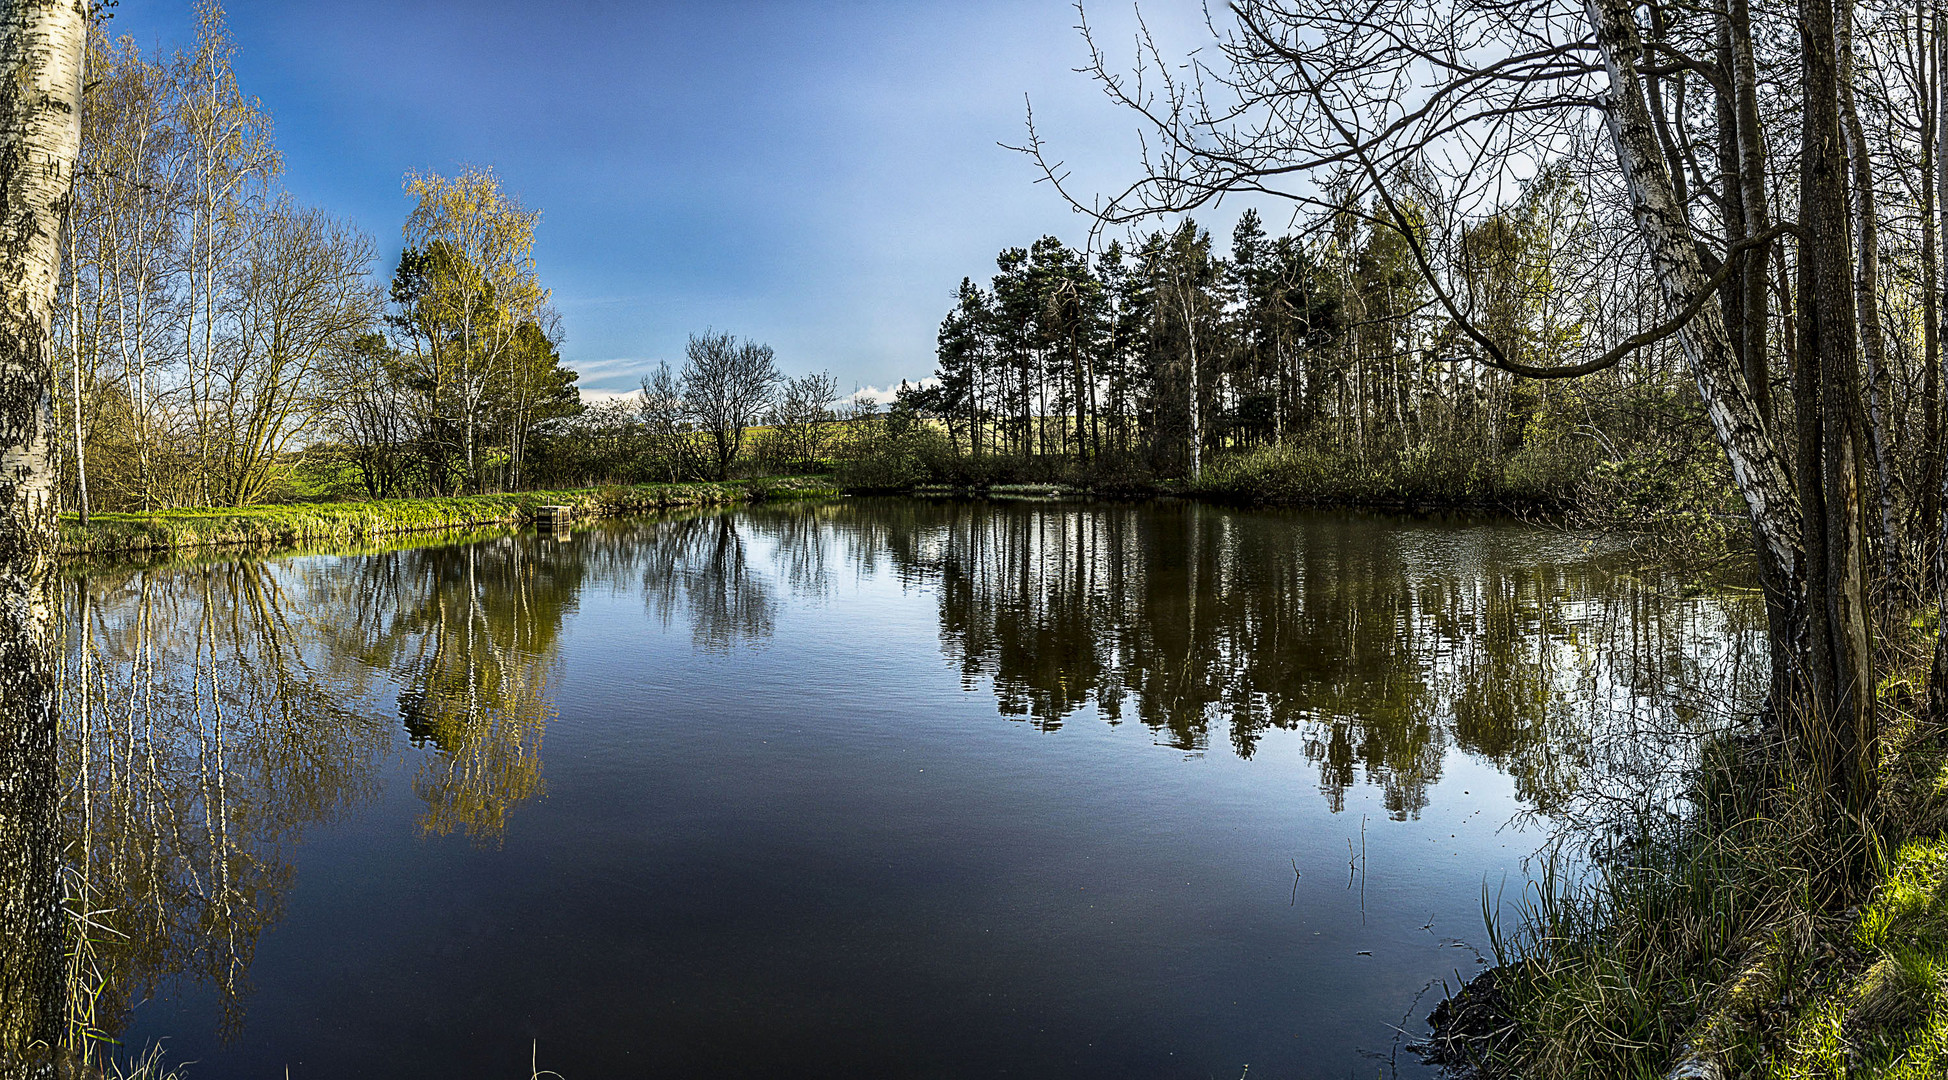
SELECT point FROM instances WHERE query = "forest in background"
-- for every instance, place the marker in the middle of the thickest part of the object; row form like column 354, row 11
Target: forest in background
column 1313, row 366
column 220, row 344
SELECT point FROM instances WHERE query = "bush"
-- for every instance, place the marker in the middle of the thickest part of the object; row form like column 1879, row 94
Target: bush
column 1683, row 500
column 1298, row 475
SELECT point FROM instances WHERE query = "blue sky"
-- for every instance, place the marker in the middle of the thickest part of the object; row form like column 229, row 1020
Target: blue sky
column 818, row 176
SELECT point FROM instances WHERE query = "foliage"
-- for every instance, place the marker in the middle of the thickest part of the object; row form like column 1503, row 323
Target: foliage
column 890, row 451
column 1308, row 368
column 802, row 423
column 202, row 308
column 471, row 322
column 1724, row 923
column 212, row 328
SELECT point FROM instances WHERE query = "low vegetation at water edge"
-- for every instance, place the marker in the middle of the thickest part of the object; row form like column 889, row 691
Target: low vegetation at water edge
column 1733, row 934
column 349, row 522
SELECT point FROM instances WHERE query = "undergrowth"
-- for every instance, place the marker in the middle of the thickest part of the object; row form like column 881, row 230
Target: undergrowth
column 1734, row 928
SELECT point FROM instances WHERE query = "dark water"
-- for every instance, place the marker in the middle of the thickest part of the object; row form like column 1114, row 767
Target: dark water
column 865, row 789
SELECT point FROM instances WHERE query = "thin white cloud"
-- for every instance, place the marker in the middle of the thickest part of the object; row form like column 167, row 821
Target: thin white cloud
column 600, row 397
column 611, row 377
column 890, row 393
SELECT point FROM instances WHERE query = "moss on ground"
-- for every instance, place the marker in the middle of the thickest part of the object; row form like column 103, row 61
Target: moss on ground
column 359, row 522
column 1885, row 1013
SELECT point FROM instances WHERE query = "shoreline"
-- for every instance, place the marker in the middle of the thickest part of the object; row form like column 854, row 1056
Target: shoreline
column 1721, row 946
column 375, row 521
column 1522, row 509
column 363, row 522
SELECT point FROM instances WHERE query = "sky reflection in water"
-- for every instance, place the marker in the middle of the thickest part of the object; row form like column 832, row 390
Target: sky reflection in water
column 737, row 794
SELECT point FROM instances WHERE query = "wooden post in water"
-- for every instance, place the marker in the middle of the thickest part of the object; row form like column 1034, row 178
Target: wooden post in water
column 553, row 518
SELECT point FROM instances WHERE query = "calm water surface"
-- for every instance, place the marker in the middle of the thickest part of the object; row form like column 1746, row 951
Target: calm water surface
column 874, row 788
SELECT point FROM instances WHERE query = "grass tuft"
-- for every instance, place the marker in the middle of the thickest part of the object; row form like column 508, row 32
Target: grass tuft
column 1735, row 929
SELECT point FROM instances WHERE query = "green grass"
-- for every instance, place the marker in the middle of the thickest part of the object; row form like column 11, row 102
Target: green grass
column 1886, row 1016
column 363, row 522
column 1731, row 931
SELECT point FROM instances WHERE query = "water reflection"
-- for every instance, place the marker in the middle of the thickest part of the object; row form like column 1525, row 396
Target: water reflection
column 700, row 568
column 474, row 643
column 1381, row 642
column 204, row 733
column 215, row 714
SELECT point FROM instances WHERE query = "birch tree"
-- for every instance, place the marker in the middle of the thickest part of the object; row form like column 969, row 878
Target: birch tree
column 42, row 46
column 129, row 198
column 480, row 289
column 229, row 157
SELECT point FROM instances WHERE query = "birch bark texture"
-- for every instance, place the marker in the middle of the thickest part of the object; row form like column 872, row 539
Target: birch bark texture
column 41, row 50
column 1757, row 466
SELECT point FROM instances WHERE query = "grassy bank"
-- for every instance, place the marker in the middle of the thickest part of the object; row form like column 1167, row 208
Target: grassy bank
column 365, row 522
column 1676, row 487
column 1727, row 937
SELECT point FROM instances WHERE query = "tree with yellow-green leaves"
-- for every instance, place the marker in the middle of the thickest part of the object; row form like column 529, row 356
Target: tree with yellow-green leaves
column 470, row 314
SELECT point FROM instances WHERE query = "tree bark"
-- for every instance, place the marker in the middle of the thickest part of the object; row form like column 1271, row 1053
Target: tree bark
column 1925, row 34
column 1752, row 203
column 1838, row 727
column 1937, row 452
column 41, row 44
column 1756, row 464
column 1866, row 285
column 1812, row 538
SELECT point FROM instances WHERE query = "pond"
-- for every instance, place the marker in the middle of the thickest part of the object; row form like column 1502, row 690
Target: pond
column 866, row 788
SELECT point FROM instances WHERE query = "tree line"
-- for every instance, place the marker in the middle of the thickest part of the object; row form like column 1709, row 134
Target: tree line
column 1167, row 352
column 209, row 326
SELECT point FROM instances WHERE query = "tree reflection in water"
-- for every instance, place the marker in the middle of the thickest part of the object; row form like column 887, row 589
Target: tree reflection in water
column 203, row 733
column 477, row 655
column 213, row 714
column 1379, row 641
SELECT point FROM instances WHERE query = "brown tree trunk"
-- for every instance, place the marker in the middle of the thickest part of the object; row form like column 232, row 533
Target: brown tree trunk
column 1746, row 301
column 1928, row 500
column 1866, row 285
column 1752, row 202
column 1839, row 726
column 1937, row 451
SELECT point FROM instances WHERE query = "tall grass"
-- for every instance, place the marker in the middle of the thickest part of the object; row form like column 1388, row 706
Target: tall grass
column 1299, row 475
column 1747, row 929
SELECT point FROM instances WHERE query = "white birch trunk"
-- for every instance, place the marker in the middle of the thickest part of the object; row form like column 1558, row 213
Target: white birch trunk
column 41, row 44
column 1756, row 463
